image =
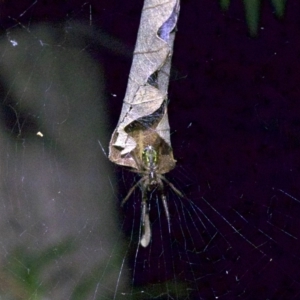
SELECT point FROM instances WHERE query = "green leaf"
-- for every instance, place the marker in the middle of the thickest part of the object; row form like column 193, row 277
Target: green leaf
column 279, row 7
column 25, row 267
column 224, row 4
column 252, row 10
column 52, row 253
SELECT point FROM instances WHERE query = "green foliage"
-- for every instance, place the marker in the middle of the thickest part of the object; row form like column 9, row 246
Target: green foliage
column 279, row 7
column 224, row 4
column 25, row 267
column 252, row 11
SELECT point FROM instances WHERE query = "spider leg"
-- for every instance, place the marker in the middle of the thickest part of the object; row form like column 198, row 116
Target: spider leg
column 171, row 185
column 164, row 201
column 131, row 191
column 146, row 236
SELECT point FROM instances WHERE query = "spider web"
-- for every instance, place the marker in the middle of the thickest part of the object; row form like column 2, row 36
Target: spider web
column 234, row 121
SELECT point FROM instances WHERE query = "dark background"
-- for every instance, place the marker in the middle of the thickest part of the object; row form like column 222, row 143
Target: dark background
column 234, row 114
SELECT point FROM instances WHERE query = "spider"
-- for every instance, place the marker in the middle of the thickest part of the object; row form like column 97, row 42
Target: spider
column 151, row 179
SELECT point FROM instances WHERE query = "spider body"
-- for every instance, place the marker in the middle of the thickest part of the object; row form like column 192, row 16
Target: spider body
column 149, row 158
column 151, row 179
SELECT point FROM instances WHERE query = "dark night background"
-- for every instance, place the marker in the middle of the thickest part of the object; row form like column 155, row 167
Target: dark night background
column 235, row 119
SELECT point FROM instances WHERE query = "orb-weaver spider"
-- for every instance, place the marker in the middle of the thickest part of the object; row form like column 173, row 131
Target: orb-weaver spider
column 148, row 169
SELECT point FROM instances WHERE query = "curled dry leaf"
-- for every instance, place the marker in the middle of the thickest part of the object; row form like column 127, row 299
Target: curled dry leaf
column 144, row 118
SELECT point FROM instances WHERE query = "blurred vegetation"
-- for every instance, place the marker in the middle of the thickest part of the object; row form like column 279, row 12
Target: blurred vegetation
column 25, row 268
column 252, row 11
column 28, row 274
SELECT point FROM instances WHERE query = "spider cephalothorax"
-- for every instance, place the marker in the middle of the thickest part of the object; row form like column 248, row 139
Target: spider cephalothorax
column 151, row 179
